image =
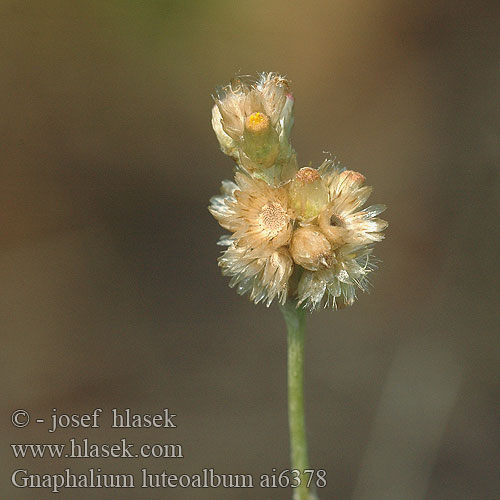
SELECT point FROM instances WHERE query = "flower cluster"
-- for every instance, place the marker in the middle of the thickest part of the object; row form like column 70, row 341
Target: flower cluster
column 298, row 233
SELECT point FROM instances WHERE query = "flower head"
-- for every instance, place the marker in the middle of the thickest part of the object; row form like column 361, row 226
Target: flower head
column 263, row 275
column 298, row 233
column 308, row 193
column 253, row 121
column 337, row 285
column 256, row 214
column 341, row 219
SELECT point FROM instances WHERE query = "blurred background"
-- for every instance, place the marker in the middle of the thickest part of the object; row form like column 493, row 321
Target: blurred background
column 110, row 291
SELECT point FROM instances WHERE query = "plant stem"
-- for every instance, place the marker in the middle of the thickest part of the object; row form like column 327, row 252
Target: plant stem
column 295, row 319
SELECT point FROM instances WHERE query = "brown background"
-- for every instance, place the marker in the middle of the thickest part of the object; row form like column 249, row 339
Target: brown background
column 110, row 291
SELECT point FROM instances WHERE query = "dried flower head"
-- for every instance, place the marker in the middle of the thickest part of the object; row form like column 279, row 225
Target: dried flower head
column 256, row 214
column 262, row 274
column 341, row 220
column 295, row 233
column 253, row 121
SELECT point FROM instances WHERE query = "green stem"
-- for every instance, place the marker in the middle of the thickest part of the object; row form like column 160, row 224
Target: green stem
column 295, row 319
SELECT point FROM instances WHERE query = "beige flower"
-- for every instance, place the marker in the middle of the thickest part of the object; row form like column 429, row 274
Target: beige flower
column 253, row 121
column 256, row 213
column 296, row 233
column 341, row 221
column 264, row 275
column 336, row 286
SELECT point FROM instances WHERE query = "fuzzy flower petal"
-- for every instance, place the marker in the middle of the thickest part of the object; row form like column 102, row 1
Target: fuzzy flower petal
column 337, row 286
column 263, row 275
column 342, row 221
